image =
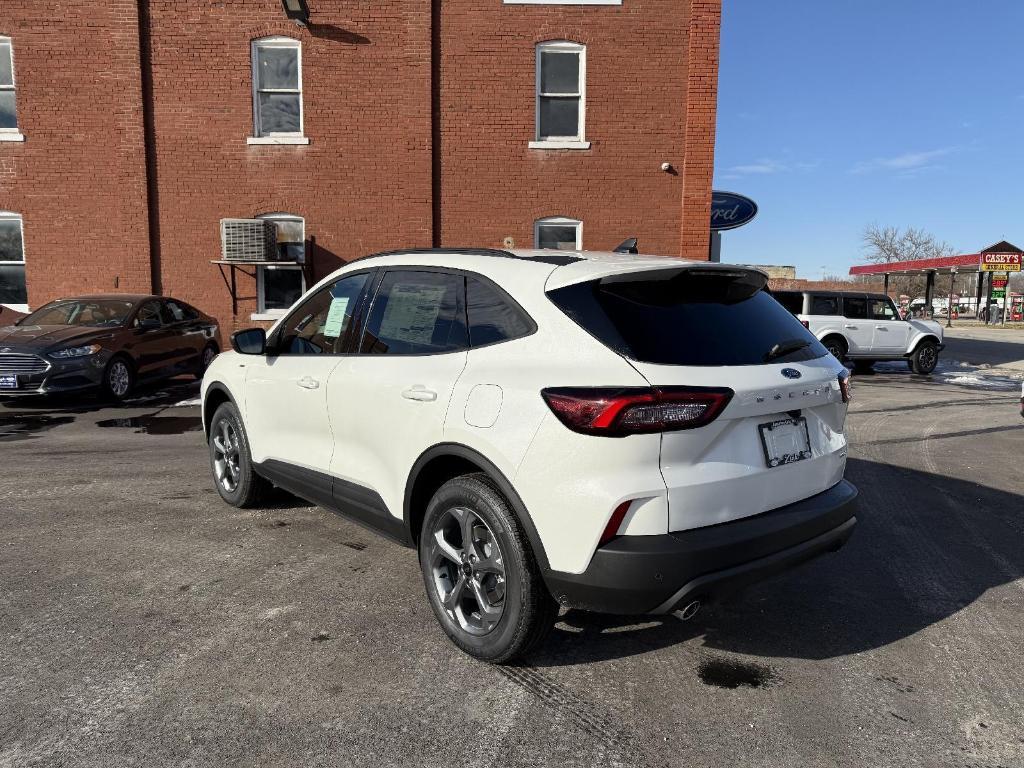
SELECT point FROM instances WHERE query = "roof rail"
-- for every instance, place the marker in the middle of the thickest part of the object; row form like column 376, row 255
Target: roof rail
column 495, row 252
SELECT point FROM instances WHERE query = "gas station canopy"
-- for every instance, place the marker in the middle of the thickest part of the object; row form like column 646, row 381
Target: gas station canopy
column 944, row 265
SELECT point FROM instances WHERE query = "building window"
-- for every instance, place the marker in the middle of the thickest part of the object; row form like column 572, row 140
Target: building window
column 277, row 91
column 558, row 233
column 561, row 96
column 279, row 286
column 8, row 102
column 13, row 292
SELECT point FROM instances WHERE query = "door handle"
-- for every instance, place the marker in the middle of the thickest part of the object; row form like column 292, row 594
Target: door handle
column 851, row 327
column 881, row 328
column 308, row 382
column 420, row 394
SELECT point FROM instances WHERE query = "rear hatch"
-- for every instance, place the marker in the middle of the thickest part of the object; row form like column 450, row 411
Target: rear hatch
column 780, row 437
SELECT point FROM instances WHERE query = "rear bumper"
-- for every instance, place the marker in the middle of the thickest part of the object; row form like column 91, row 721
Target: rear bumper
column 656, row 574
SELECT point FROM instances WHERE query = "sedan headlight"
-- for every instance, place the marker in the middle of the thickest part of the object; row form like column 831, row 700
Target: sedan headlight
column 64, row 354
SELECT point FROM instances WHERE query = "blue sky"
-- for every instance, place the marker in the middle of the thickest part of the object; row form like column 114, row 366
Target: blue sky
column 836, row 114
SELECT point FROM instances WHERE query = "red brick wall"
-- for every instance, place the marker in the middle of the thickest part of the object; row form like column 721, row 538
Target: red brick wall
column 365, row 181
column 79, row 178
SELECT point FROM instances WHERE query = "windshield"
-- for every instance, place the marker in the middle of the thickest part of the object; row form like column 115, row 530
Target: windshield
column 691, row 318
column 95, row 313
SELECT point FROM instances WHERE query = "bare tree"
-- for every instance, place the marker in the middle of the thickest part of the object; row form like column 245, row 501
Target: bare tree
column 882, row 244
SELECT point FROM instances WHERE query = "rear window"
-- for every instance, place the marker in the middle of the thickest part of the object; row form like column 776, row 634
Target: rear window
column 794, row 302
column 689, row 317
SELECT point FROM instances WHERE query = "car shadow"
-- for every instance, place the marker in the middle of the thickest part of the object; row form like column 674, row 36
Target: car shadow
column 926, row 546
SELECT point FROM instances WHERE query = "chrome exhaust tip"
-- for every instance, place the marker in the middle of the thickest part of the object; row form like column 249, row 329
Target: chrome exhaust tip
column 688, row 611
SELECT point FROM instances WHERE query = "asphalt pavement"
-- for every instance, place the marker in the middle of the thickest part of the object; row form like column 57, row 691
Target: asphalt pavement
column 143, row 622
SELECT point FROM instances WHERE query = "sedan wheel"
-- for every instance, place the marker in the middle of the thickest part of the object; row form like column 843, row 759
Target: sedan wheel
column 118, row 379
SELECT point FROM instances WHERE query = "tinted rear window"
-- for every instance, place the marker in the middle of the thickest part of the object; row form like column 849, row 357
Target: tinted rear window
column 492, row 316
column 794, row 302
column 824, row 305
column 686, row 319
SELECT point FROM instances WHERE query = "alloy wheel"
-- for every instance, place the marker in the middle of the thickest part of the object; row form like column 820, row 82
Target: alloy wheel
column 226, row 455
column 927, row 358
column 208, row 355
column 468, row 570
column 119, row 378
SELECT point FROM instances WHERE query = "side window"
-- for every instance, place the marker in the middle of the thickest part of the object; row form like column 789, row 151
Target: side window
column 416, row 313
column 320, row 324
column 148, row 311
column 493, row 317
column 167, row 314
column 855, row 307
column 882, row 309
column 824, row 305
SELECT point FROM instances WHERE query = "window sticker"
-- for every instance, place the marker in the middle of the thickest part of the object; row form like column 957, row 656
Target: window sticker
column 411, row 313
column 335, row 322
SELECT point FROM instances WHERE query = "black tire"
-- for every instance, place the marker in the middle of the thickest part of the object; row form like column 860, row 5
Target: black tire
column 205, row 358
column 836, row 346
column 231, row 460
column 527, row 610
column 925, row 358
column 118, row 378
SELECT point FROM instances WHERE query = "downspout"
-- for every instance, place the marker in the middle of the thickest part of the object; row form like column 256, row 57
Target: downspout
column 149, row 136
column 435, row 122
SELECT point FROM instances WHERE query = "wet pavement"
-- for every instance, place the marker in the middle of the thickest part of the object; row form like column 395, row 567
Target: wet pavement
column 143, row 622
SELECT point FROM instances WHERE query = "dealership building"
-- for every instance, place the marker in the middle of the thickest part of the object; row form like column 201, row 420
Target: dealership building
column 130, row 129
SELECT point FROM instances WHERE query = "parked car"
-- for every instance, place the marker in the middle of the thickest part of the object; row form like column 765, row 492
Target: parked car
column 108, row 342
column 865, row 328
column 600, row 431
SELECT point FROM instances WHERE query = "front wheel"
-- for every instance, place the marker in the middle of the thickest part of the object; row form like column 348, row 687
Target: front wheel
column 925, row 358
column 480, row 574
column 231, row 461
column 205, row 360
column 118, row 379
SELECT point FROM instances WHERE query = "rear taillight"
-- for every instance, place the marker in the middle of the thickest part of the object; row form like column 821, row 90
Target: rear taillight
column 844, row 386
column 806, row 324
column 619, row 412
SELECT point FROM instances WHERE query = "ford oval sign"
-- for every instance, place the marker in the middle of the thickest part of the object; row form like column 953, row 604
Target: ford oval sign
column 729, row 210
column 791, row 373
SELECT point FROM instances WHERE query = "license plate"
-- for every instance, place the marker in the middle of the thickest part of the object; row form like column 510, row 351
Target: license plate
column 8, row 381
column 785, row 441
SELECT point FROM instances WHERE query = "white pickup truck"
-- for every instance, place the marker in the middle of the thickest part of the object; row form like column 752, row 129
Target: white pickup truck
column 865, row 327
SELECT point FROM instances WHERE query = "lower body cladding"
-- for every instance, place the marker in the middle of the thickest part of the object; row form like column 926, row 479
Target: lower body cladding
column 658, row 574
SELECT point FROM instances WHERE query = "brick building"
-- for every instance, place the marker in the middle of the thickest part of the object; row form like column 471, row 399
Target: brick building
column 130, row 128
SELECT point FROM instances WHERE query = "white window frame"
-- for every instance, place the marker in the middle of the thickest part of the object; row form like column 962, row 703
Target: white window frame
column 281, row 137
column 11, row 134
column 559, row 221
column 560, row 142
column 8, row 216
column 262, row 313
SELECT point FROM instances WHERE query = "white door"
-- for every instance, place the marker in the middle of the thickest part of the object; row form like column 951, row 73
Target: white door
column 387, row 404
column 857, row 325
column 890, row 333
column 286, row 411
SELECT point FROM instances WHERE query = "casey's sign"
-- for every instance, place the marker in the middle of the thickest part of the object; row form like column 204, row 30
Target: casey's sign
column 1000, row 262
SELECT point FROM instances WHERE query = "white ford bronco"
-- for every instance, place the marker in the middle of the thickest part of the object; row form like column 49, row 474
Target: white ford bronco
column 865, row 327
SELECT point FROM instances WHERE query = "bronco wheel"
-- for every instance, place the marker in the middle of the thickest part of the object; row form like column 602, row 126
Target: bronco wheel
column 481, row 577
column 836, row 347
column 118, row 379
column 925, row 358
column 231, row 462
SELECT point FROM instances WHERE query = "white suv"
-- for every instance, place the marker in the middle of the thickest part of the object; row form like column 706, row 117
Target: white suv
column 602, row 431
column 865, row 327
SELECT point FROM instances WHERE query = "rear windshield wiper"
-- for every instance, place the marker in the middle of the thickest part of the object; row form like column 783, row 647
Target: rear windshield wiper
column 785, row 347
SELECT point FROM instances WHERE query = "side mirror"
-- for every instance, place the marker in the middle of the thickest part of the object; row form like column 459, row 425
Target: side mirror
column 251, row 341
column 149, row 324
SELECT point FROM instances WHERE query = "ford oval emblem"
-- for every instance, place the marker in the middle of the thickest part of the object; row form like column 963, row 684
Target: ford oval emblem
column 791, row 373
column 729, row 210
